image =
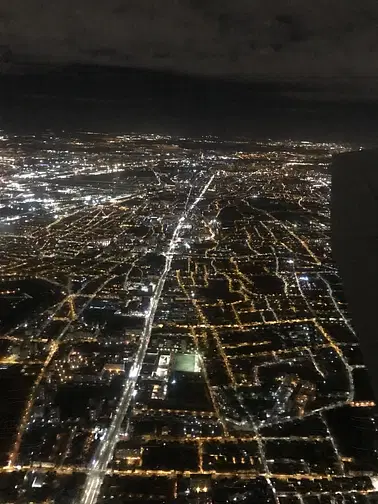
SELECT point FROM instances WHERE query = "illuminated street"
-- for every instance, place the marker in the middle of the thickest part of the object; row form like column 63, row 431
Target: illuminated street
column 174, row 325
column 105, row 450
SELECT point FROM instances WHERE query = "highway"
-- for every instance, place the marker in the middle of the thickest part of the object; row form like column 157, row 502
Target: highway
column 105, row 449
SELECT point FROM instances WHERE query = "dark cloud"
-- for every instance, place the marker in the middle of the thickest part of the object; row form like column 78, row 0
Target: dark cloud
column 329, row 42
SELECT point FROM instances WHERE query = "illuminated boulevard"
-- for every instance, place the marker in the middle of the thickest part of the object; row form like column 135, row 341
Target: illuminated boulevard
column 173, row 326
column 105, row 450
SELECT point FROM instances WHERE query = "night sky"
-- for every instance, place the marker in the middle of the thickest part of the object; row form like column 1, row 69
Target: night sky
column 330, row 46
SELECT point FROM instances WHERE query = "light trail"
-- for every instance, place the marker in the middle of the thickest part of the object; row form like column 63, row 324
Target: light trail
column 270, row 308
column 261, row 449
column 53, row 349
column 294, row 235
column 334, row 445
column 309, row 351
column 104, row 452
column 330, row 292
column 348, row 369
column 278, row 274
column 328, row 338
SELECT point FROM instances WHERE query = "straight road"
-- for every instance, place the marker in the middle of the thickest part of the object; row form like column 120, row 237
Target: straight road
column 105, row 449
